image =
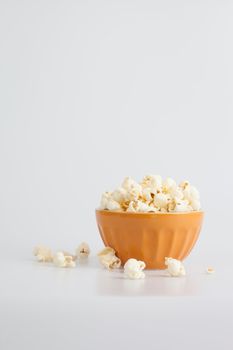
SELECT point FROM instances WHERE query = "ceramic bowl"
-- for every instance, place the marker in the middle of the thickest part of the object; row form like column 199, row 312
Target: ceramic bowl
column 150, row 237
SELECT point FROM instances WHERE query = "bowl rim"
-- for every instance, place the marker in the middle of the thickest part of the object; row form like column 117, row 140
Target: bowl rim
column 113, row 212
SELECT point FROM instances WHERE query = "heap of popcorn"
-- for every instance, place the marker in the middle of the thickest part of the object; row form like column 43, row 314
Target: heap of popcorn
column 152, row 194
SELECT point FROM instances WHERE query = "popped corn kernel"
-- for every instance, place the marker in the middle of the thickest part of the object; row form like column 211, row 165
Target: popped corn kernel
column 184, row 184
column 182, row 205
column 83, row 250
column 43, row 254
column 132, row 208
column 108, row 258
column 195, row 204
column 107, row 202
column 161, row 200
column 144, row 207
column 153, row 182
column 175, row 267
column 191, row 193
column 119, row 195
column 147, row 195
column 133, row 269
column 60, row 259
column 168, row 185
column 210, row 270
column 133, row 189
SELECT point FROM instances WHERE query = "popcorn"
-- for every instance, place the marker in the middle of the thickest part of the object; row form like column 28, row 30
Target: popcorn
column 210, row 270
column 153, row 182
column 107, row 202
column 119, row 195
column 133, row 269
column 132, row 208
column 169, row 184
column 60, row 259
column 184, row 184
column 195, row 204
column 175, row 267
column 43, row 254
column 144, row 207
column 140, row 207
column 190, row 193
column 83, row 250
column 108, row 258
column 182, row 205
column 152, row 194
column 161, row 200
column 133, row 189
column 146, row 195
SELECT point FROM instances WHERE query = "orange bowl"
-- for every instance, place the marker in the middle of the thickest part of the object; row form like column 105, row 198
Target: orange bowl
column 150, row 237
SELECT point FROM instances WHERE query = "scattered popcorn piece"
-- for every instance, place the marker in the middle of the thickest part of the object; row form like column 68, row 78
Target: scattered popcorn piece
column 83, row 250
column 108, row 258
column 62, row 260
column 175, row 267
column 133, row 269
column 210, row 270
column 111, row 262
column 43, row 254
column 106, row 250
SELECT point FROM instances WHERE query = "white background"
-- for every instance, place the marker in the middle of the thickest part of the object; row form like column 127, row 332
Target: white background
column 90, row 92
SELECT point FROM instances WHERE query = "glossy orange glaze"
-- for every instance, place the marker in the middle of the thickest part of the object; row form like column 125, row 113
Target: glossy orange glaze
column 150, row 237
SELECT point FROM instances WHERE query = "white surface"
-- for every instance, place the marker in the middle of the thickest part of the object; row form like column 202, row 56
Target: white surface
column 44, row 307
column 93, row 91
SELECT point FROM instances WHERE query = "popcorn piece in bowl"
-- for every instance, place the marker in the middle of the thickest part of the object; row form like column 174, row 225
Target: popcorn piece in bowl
column 132, row 188
column 140, row 207
column 133, row 269
column 132, row 207
column 107, row 202
column 83, row 250
column 43, row 254
column 120, row 195
column 184, row 184
column 62, row 259
column 169, row 185
column 108, row 258
column 146, row 195
column 175, row 267
column 182, row 206
column 152, row 194
column 144, row 207
column 161, row 200
column 152, row 182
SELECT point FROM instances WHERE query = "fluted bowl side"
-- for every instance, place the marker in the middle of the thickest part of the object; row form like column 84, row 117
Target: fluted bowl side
column 150, row 237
